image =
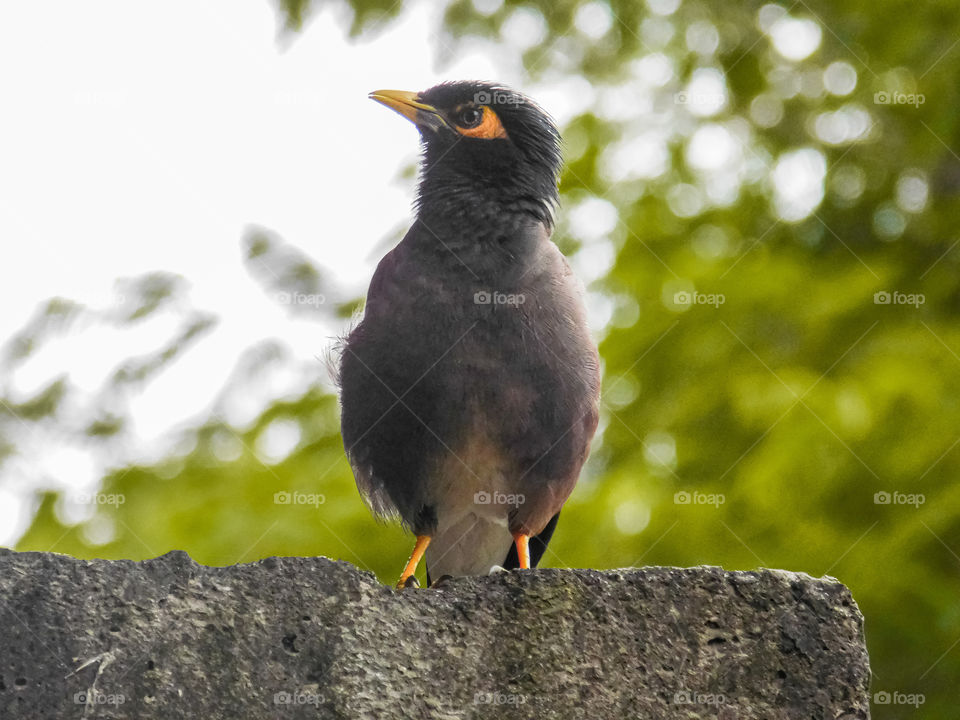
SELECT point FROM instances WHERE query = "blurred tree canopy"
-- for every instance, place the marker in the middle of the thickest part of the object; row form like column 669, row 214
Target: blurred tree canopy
column 763, row 198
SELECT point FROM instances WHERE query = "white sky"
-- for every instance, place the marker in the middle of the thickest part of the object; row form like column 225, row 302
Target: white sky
column 146, row 136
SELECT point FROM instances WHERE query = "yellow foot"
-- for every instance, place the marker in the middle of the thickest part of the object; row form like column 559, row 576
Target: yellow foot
column 523, row 549
column 418, row 550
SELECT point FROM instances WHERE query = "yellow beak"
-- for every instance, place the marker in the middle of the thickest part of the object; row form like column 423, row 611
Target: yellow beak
column 403, row 102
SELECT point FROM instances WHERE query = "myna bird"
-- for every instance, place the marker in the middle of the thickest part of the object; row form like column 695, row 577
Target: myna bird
column 470, row 388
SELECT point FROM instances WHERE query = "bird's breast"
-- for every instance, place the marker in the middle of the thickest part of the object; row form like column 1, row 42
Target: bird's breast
column 475, row 477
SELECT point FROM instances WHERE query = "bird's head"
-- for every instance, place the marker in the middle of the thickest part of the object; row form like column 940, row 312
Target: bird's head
column 488, row 150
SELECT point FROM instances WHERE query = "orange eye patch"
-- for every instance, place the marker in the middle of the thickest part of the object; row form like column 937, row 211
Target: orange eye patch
column 489, row 127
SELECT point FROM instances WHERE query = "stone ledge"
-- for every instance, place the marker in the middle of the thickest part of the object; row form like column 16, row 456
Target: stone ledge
column 313, row 638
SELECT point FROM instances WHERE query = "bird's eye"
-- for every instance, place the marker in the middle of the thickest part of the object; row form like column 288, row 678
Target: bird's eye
column 470, row 117
column 478, row 122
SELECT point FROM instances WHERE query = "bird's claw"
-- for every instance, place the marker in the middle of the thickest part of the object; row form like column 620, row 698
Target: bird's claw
column 411, row 583
column 441, row 581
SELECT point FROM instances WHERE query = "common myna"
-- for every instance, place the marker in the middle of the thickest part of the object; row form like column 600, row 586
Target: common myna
column 469, row 390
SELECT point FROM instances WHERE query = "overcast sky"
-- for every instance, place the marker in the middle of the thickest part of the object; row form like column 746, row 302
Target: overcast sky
column 147, row 136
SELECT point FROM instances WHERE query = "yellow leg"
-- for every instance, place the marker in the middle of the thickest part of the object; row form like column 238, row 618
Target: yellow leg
column 523, row 549
column 418, row 550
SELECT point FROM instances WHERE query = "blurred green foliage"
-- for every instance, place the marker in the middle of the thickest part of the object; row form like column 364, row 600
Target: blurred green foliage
column 753, row 432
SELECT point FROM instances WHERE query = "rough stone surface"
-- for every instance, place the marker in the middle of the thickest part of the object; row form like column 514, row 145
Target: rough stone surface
column 312, row 638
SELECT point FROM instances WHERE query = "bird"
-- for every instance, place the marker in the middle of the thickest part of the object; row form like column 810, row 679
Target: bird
column 469, row 390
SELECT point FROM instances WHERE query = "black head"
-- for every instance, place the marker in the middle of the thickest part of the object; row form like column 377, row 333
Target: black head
column 488, row 150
